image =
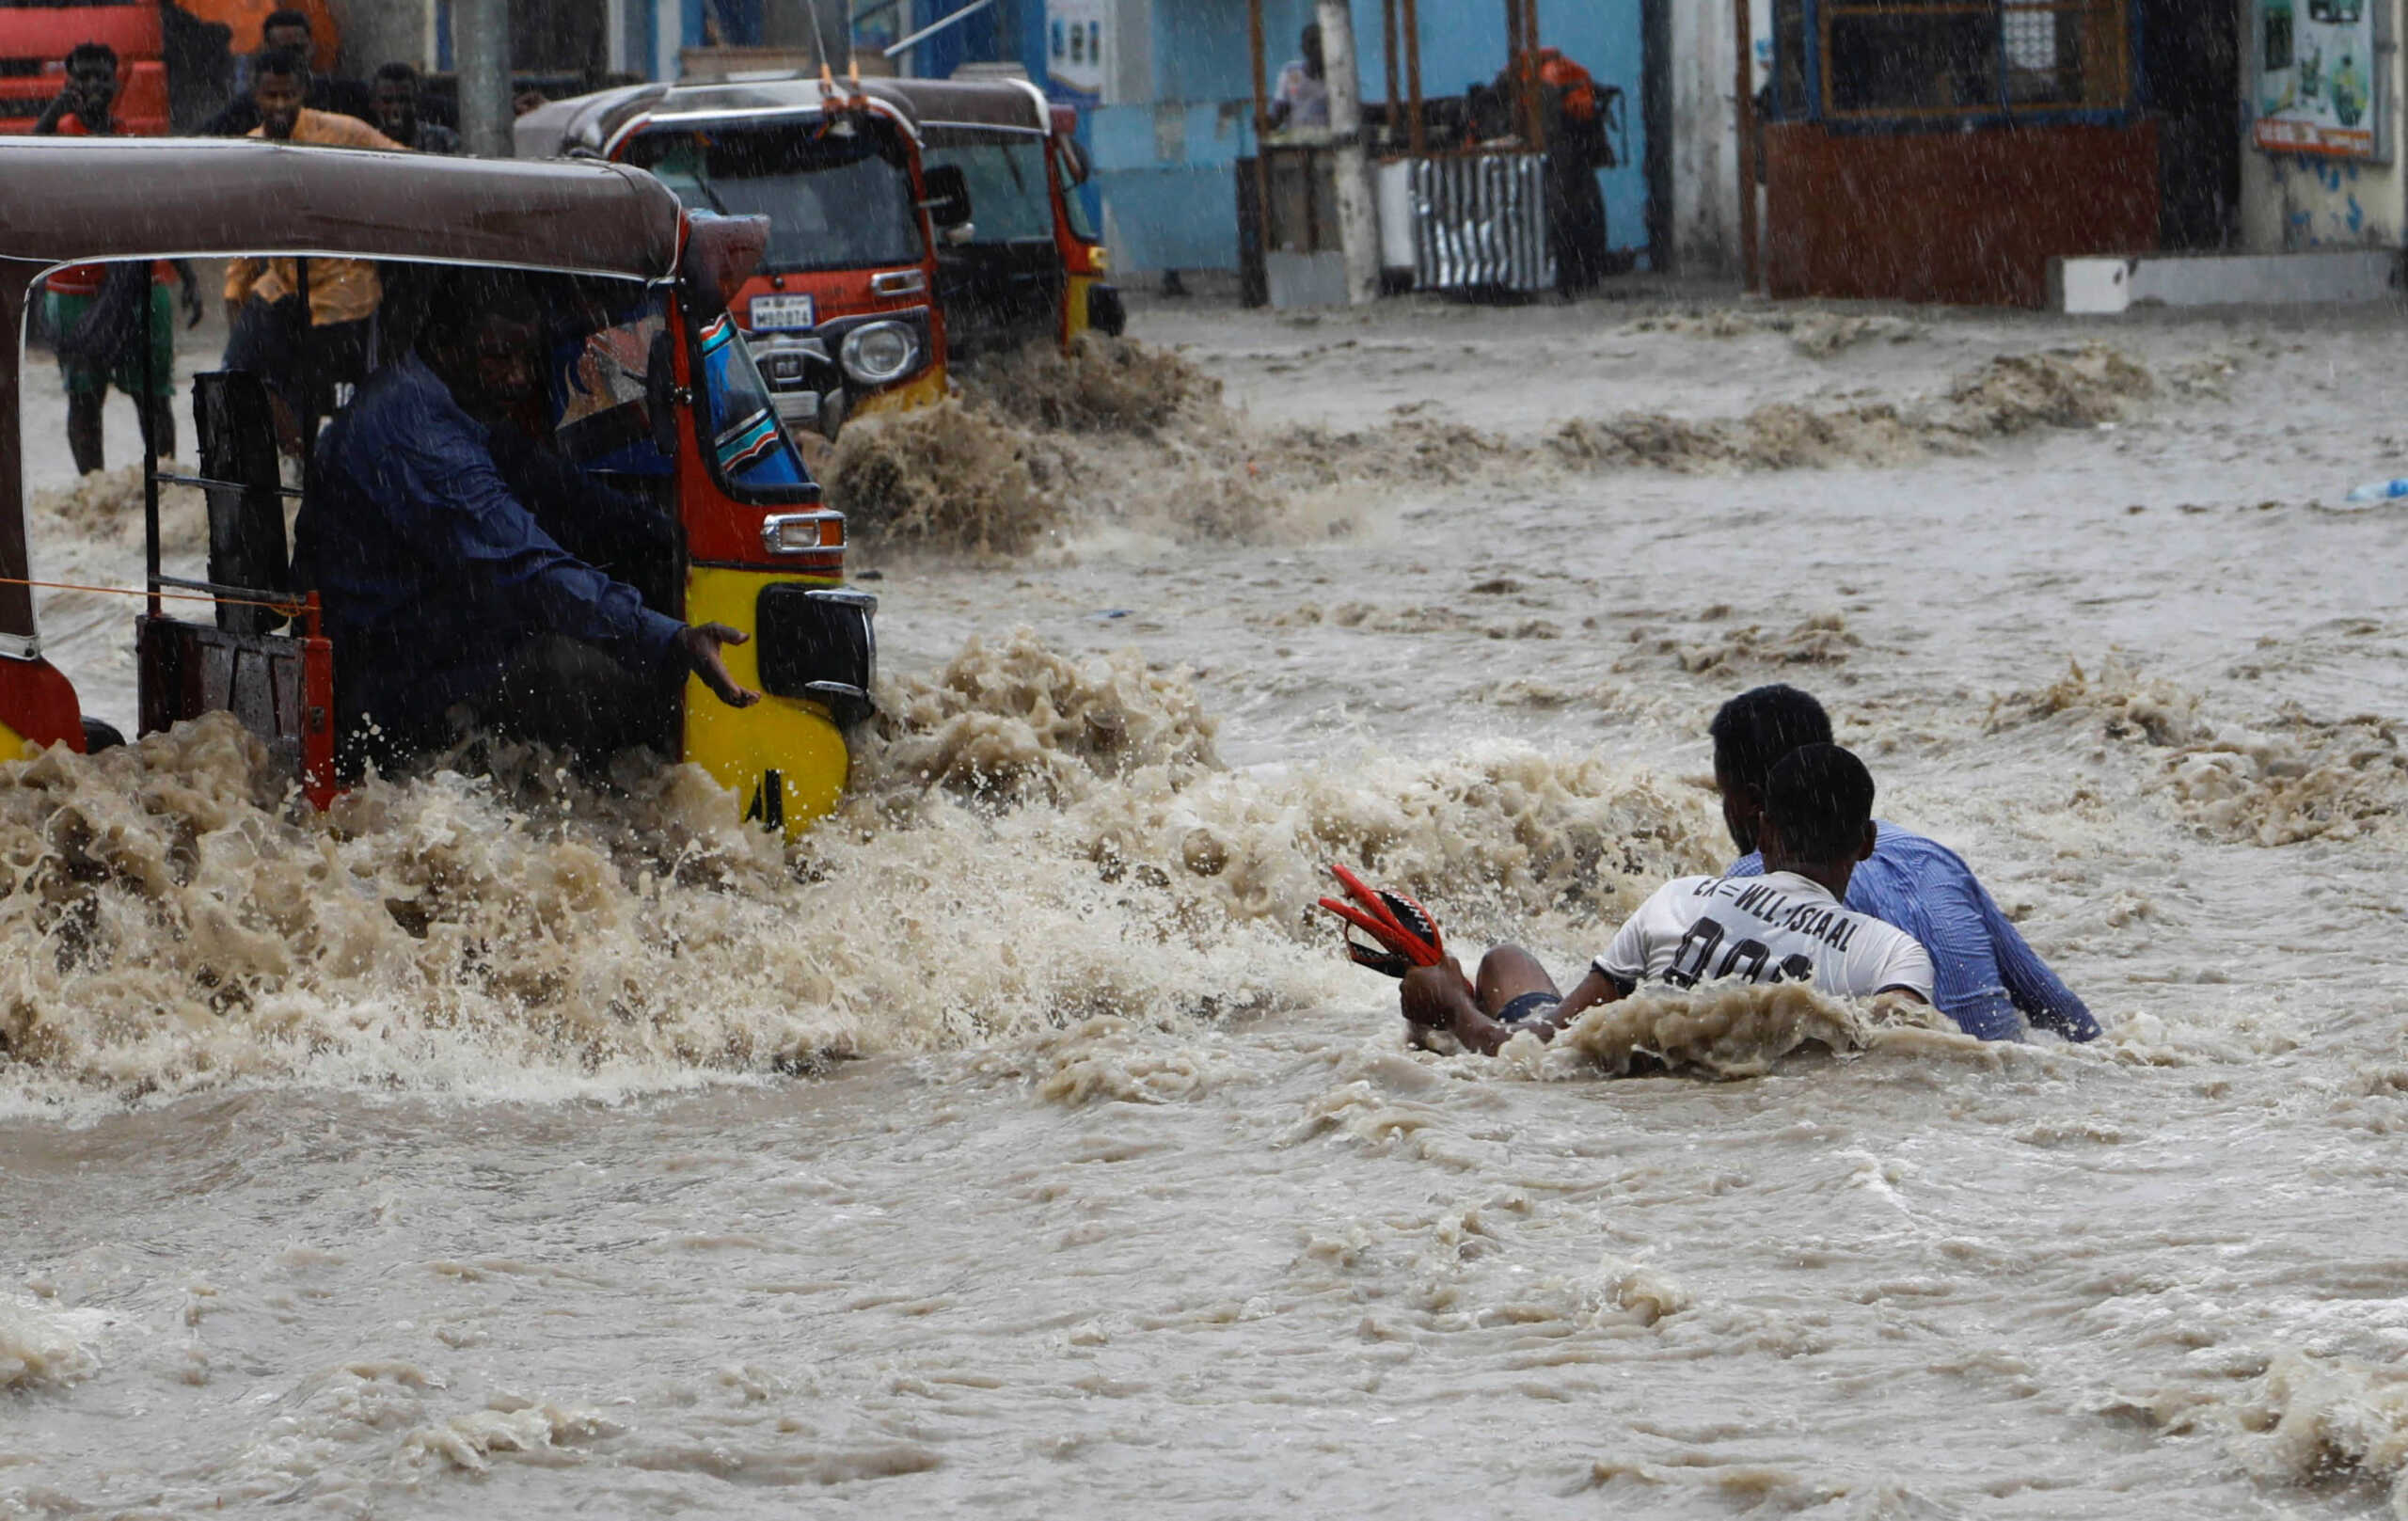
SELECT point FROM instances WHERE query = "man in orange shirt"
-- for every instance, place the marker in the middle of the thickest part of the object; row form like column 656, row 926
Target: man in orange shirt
column 301, row 324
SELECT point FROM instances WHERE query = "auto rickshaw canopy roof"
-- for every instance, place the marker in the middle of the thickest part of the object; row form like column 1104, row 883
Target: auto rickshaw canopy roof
column 67, row 199
column 595, row 123
column 79, row 201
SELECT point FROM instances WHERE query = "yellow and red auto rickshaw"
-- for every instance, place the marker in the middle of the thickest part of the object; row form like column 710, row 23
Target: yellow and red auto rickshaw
column 653, row 387
column 1029, row 264
column 912, row 222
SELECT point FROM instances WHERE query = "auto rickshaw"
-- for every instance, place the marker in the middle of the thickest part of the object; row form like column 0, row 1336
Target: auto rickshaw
column 1029, row 264
column 653, row 387
column 913, row 222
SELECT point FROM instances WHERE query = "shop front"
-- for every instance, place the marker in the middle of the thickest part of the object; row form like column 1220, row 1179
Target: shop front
column 1947, row 150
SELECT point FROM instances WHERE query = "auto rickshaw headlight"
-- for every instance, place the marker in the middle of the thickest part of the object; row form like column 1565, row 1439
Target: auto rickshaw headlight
column 879, row 352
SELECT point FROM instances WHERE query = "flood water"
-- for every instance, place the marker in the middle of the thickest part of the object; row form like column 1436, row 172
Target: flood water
column 1019, row 1145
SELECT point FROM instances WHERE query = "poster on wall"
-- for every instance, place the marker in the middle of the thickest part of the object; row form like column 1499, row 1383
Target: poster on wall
column 1074, row 45
column 2320, row 67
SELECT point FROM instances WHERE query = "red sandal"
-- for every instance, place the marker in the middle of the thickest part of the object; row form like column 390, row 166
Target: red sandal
column 1407, row 934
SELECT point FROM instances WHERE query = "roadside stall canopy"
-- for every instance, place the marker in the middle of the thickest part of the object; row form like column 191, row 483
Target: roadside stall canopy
column 70, row 200
column 1473, row 210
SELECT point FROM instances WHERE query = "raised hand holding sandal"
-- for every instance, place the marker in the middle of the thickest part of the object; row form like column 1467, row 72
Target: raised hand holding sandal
column 1407, row 934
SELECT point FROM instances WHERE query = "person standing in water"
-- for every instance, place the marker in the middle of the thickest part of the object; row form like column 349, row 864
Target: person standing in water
column 1787, row 924
column 398, row 117
column 302, row 325
column 96, row 313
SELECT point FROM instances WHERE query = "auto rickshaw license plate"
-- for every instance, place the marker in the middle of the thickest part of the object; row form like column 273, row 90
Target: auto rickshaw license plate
column 780, row 313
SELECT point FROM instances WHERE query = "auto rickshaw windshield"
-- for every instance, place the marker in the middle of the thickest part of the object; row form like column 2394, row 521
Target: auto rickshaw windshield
column 1009, row 198
column 833, row 202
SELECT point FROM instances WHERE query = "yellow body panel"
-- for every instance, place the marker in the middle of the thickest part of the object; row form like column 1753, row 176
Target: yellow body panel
column 1074, row 307
column 12, row 744
column 743, row 748
column 926, row 389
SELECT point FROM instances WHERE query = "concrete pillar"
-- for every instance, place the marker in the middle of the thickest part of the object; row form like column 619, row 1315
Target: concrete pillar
column 1704, row 149
column 1359, row 225
column 481, row 52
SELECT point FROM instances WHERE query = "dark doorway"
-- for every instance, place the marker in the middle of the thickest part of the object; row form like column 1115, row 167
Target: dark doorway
column 2191, row 80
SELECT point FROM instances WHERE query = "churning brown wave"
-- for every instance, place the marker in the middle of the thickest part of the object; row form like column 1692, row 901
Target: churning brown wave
column 1039, row 444
column 1031, row 840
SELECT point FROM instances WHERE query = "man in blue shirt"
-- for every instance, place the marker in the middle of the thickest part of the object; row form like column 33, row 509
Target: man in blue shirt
column 1987, row 974
column 450, row 602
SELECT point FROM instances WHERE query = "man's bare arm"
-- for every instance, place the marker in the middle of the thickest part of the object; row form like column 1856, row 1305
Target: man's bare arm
column 1437, row 998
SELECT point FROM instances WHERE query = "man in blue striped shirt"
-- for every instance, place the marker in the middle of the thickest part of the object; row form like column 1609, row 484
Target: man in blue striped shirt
column 1989, row 981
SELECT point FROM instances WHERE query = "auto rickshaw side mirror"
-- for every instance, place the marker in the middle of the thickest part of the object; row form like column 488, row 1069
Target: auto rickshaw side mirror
column 660, row 393
column 721, row 253
column 948, row 202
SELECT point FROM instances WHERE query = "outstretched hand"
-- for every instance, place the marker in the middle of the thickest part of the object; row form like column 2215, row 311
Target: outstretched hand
column 701, row 642
column 1429, row 995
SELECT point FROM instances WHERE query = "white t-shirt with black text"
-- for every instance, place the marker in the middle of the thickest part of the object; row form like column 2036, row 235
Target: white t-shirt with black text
column 1777, row 927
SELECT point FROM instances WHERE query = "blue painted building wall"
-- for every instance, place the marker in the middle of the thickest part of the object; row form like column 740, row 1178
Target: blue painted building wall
column 1166, row 169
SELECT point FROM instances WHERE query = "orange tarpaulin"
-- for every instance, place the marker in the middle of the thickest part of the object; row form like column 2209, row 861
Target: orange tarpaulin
column 246, row 17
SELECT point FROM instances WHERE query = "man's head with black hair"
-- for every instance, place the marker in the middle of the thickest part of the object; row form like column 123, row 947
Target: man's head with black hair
column 1818, row 816
column 1751, row 732
column 483, row 339
column 286, row 28
column 396, row 101
column 279, row 85
column 92, row 80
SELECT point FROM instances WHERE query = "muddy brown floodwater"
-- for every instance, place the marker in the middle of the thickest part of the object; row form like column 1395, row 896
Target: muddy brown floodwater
column 1016, row 1144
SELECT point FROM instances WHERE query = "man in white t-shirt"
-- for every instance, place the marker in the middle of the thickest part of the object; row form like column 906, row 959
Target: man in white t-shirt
column 1301, row 97
column 1789, row 924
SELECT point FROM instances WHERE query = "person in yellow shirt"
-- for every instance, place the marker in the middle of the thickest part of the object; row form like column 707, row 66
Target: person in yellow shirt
column 303, row 325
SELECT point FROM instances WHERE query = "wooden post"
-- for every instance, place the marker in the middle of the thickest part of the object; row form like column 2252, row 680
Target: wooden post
column 1526, row 61
column 1261, row 85
column 1751, row 255
column 1262, row 126
column 1415, row 133
column 1388, row 56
